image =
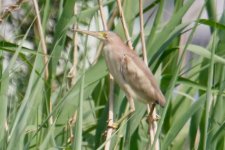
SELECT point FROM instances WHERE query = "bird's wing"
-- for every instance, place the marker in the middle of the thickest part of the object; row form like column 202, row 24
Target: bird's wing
column 137, row 74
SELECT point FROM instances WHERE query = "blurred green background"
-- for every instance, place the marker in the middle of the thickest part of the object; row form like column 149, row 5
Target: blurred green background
column 185, row 43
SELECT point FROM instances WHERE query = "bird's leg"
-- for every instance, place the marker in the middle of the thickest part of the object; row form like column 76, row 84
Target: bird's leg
column 152, row 127
column 151, row 118
column 131, row 110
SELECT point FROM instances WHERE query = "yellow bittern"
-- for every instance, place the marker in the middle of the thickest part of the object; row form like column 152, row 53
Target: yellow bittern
column 128, row 70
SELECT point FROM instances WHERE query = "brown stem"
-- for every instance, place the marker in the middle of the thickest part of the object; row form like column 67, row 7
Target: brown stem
column 142, row 33
column 102, row 15
column 109, row 25
column 44, row 49
column 110, row 115
column 124, row 24
column 111, row 95
column 10, row 9
column 73, row 69
column 42, row 37
column 152, row 111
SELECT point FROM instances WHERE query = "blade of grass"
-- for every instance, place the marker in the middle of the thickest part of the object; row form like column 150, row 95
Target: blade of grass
column 203, row 52
column 161, row 37
column 29, row 104
column 176, row 72
column 79, row 125
column 209, row 93
column 181, row 122
column 4, row 89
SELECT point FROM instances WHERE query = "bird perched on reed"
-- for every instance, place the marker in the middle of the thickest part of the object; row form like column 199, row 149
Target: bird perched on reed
column 128, row 70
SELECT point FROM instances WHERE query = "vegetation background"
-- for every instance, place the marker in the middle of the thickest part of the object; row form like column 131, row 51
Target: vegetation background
column 64, row 104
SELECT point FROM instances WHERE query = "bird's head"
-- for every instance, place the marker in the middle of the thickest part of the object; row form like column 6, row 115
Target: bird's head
column 106, row 36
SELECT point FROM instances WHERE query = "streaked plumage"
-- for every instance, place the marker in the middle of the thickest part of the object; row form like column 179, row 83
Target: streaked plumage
column 128, row 69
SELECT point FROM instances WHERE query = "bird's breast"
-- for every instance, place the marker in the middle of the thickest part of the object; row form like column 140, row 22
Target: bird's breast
column 113, row 59
column 113, row 62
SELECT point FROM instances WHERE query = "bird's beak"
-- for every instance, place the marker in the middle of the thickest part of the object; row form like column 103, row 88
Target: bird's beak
column 100, row 35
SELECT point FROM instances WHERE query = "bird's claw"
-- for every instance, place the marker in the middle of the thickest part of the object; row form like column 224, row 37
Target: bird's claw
column 151, row 119
column 110, row 126
column 157, row 117
column 113, row 126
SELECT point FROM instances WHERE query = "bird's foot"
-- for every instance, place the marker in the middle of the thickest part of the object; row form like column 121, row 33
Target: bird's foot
column 110, row 125
column 116, row 124
column 113, row 126
column 151, row 118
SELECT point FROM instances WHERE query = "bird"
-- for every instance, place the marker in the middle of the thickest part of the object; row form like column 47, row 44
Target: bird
column 128, row 70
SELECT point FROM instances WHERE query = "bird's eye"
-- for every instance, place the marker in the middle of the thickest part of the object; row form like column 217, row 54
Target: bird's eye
column 105, row 35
